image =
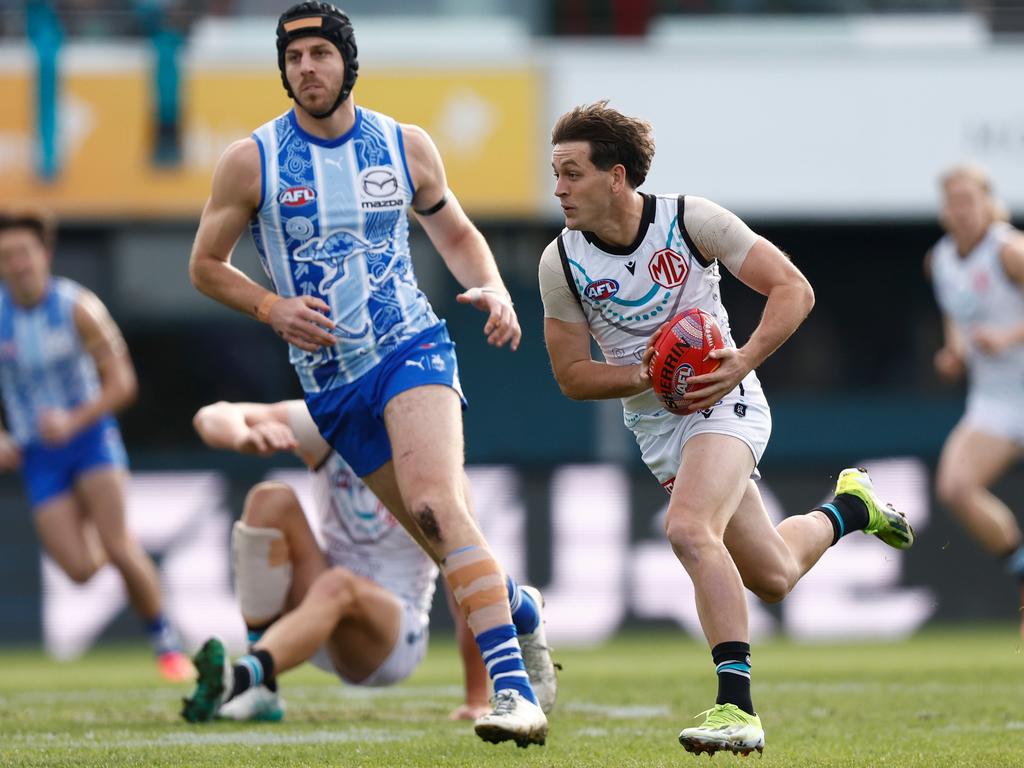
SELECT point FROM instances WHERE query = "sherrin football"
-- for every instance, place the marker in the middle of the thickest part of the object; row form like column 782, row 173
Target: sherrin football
column 679, row 352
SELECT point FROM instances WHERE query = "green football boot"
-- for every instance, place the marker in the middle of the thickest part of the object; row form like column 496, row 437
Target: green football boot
column 214, row 683
column 727, row 728
column 884, row 521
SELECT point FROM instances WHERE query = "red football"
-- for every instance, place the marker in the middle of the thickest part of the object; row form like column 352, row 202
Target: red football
column 679, row 352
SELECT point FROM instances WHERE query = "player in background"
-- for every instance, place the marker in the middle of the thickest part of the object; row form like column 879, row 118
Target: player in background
column 625, row 264
column 324, row 190
column 977, row 270
column 359, row 608
column 64, row 372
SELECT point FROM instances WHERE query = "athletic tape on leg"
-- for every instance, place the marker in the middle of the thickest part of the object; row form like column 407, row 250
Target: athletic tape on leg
column 263, row 572
column 479, row 588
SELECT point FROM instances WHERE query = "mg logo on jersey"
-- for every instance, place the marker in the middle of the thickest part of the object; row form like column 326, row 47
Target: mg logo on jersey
column 668, row 268
column 604, row 288
column 294, row 196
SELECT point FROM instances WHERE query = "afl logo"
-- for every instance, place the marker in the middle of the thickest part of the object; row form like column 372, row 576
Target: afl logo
column 601, row 289
column 683, row 372
column 668, row 269
column 380, row 182
column 294, row 196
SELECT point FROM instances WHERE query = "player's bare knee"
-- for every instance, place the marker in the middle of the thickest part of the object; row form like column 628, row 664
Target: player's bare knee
column 269, row 505
column 336, row 587
column 81, row 573
column 953, row 491
column 771, row 588
column 689, row 537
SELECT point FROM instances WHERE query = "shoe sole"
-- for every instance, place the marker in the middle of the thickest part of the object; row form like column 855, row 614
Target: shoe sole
column 495, row 734
column 202, row 711
column 699, row 747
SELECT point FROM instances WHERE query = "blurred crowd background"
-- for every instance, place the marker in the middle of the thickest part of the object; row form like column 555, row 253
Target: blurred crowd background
column 824, row 124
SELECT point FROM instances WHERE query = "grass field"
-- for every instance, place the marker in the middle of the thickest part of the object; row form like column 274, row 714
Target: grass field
column 946, row 698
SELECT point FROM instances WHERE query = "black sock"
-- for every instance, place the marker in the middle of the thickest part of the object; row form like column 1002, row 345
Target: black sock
column 847, row 513
column 251, row 670
column 732, row 662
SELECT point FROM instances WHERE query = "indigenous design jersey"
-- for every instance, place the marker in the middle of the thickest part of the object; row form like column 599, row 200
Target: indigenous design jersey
column 975, row 291
column 360, row 534
column 332, row 224
column 626, row 293
column 42, row 361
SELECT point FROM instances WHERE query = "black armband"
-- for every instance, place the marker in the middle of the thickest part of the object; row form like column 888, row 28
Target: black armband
column 434, row 208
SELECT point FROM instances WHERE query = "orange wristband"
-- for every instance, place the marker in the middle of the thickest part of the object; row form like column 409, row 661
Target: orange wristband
column 263, row 310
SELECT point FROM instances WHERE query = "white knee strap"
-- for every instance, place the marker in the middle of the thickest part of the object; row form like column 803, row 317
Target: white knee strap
column 261, row 585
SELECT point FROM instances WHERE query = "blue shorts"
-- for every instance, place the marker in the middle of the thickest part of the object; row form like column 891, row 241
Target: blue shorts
column 351, row 417
column 49, row 472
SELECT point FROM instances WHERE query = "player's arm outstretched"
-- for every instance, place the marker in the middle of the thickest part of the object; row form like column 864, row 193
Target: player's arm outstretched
column 301, row 320
column 790, row 298
column 463, row 248
column 995, row 341
column 102, row 340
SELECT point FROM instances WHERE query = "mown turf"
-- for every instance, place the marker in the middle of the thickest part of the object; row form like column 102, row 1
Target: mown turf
column 948, row 698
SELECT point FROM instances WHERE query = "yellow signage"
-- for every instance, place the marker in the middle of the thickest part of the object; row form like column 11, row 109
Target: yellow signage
column 484, row 123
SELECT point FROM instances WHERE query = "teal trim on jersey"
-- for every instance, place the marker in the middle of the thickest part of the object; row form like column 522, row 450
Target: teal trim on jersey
column 622, row 302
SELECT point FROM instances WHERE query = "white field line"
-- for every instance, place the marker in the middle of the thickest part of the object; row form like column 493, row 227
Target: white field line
column 269, row 737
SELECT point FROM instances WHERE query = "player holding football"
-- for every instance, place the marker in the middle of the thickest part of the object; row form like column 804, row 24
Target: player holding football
column 358, row 608
column 977, row 270
column 627, row 262
column 325, row 190
column 65, row 371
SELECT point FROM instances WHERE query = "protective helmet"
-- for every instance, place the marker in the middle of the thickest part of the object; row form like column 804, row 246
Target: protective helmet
column 319, row 19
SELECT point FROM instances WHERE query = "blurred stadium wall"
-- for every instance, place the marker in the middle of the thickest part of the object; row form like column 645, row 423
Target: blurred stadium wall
column 826, row 133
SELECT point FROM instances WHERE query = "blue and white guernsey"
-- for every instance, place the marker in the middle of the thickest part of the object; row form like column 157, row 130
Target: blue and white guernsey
column 332, row 223
column 42, row 361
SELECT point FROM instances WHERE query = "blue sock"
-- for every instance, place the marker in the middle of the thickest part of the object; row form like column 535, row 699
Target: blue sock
column 1015, row 562
column 161, row 636
column 524, row 611
column 254, row 635
column 504, row 660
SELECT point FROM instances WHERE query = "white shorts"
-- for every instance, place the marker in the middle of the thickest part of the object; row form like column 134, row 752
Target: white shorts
column 1002, row 417
column 746, row 417
column 410, row 648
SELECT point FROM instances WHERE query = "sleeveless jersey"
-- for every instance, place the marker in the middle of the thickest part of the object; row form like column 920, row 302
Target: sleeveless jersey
column 975, row 291
column 42, row 361
column 332, row 223
column 360, row 534
column 627, row 292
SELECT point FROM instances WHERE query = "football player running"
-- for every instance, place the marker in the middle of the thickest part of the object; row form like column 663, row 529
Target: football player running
column 977, row 270
column 325, row 190
column 626, row 263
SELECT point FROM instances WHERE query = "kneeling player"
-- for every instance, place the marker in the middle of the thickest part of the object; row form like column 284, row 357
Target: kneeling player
column 359, row 608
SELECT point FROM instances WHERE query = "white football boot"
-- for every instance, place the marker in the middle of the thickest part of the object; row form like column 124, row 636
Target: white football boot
column 259, row 704
column 537, row 657
column 514, row 718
